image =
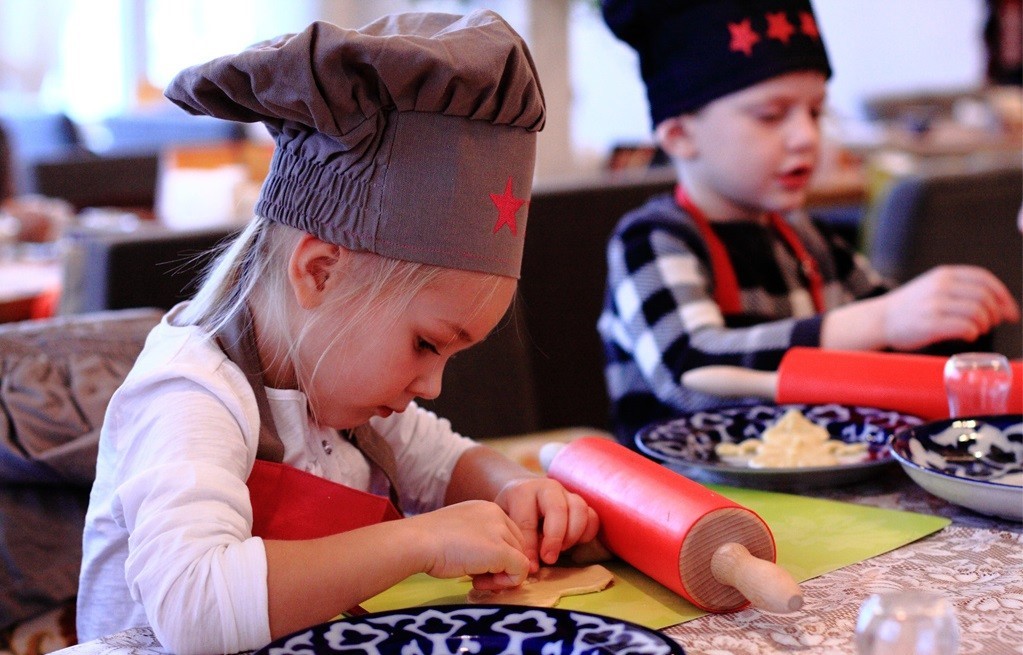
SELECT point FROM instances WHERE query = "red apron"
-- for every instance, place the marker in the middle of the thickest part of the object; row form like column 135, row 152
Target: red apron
column 726, row 285
column 288, row 503
column 291, row 504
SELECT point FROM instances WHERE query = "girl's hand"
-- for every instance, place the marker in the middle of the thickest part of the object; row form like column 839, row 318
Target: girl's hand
column 538, row 504
column 475, row 538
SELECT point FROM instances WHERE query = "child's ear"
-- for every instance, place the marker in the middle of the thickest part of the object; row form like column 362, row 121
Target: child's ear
column 675, row 138
column 313, row 270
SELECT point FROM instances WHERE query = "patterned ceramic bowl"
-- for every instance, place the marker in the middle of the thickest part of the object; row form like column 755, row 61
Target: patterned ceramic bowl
column 976, row 462
column 688, row 443
column 478, row 629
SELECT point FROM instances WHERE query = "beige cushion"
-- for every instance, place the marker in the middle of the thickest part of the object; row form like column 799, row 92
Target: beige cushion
column 56, row 378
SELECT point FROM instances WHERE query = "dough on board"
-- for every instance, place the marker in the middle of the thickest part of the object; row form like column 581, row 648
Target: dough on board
column 548, row 586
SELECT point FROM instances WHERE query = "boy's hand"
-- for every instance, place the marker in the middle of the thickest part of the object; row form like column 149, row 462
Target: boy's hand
column 541, row 505
column 947, row 302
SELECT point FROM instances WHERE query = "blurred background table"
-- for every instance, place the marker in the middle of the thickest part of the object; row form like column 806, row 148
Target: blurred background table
column 24, row 285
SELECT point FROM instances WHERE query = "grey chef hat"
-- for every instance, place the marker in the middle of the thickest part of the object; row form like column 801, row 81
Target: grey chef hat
column 413, row 137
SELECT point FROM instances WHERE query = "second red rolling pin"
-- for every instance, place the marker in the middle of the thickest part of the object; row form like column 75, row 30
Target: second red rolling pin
column 906, row 382
column 712, row 551
column 903, row 382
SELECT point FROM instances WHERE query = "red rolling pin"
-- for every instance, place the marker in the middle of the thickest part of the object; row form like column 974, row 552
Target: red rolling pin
column 714, row 552
column 908, row 383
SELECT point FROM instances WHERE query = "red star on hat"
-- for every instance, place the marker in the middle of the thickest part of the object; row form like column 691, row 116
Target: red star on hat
column 779, row 27
column 507, row 204
column 808, row 26
column 743, row 37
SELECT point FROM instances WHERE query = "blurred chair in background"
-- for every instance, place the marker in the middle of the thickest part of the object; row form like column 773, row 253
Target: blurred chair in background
column 25, row 218
column 154, row 130
column 148, row 266
column 87, row 180
column 36, row 136
column 113, row 162
column 1003, row 41
column 6, row 167
column 957, row 213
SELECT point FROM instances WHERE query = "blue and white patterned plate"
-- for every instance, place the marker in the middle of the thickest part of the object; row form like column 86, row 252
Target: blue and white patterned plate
column 476, row 629
column 976, row 462
column 687, row 443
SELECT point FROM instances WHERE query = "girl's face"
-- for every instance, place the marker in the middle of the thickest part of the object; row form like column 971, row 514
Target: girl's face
column 753, row 150
column 392, row 356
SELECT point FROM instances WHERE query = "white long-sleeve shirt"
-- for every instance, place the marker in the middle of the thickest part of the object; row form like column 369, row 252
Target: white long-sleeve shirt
column 168, row 536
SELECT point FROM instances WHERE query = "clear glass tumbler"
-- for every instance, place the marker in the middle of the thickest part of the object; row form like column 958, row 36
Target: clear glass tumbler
column 907, row 623
column 977, row 384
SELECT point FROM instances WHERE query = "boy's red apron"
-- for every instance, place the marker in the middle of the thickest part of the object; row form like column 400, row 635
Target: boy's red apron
column 288, row 503
column 726, row 285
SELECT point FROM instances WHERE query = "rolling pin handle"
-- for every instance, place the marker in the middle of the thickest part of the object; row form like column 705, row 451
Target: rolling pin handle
column 548, row 452
column 766, row 585
column 731, row 382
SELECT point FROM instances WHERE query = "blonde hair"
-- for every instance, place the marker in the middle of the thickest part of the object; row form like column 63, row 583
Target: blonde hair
column 252, row 268
column 256, row 258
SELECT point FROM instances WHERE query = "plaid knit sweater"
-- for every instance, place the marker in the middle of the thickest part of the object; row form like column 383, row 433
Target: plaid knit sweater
column 660, row 318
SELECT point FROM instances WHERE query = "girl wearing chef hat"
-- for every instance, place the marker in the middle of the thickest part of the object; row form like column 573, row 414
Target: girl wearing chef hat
column 253, row 464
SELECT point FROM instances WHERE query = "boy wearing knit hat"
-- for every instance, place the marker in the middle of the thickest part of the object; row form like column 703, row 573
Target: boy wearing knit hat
column 246, row 464
column 728, row 269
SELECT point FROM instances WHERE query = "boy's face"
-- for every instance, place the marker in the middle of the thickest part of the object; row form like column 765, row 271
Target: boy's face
column 388, row 359
column 751, row 151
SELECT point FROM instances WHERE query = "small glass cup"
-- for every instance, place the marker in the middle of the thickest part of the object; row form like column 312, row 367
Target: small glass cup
column 977, row 384
column 907, row 623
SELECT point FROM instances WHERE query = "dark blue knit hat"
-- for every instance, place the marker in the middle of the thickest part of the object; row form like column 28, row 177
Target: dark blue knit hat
column 694, row 51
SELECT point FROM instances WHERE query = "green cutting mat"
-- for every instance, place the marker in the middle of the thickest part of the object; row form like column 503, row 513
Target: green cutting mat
column 814, row 537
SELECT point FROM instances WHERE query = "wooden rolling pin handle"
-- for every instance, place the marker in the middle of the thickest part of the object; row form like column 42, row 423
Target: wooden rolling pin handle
column 732, row 382
column 766, row 585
